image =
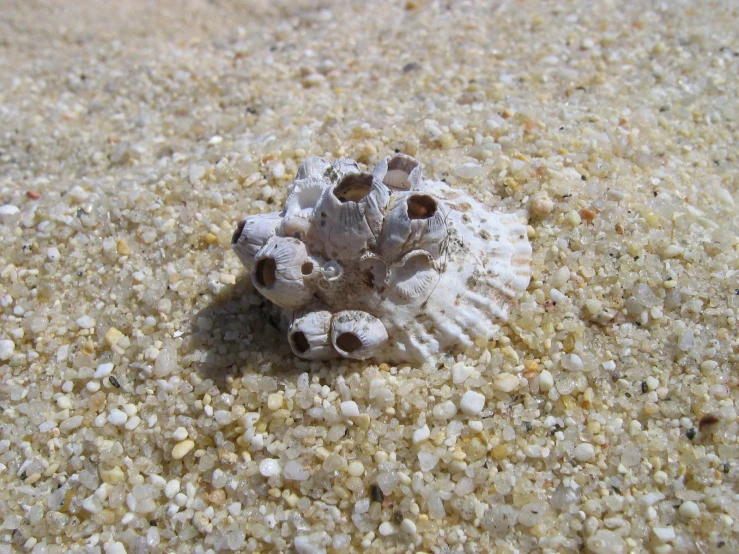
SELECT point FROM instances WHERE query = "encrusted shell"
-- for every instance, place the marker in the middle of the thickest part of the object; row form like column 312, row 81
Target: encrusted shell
column 279, row 272
column 251, row 235
column 309, row 336
column 384, row 264
column 414, row 221
column 349, row 215
column 356, row 334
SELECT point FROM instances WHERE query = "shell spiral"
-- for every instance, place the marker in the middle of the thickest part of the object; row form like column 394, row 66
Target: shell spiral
column 385, row 264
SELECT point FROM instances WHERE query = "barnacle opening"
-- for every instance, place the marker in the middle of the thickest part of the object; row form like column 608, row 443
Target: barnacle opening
column 299, row 342
column 399, row 169
column 266, row 272
column 348, row 342
column 306, row 268
column 353, row 187
column 237, row 233
column 421, row 206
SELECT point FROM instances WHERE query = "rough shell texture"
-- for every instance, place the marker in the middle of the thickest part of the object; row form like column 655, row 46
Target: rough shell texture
column 385, row 264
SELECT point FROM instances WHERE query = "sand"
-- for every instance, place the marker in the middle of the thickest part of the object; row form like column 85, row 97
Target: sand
column 148, row 403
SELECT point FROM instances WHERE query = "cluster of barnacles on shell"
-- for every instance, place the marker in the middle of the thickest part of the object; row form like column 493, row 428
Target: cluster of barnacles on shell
column 383, row 264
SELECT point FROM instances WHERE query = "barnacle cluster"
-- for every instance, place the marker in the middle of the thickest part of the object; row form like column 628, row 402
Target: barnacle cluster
column 383, row 264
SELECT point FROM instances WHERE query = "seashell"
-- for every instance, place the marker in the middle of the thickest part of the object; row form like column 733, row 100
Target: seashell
column 279, row 269
column 349, row 215
column 402, row 173
column 409, row 268
column 341, row 168
column 414, row 220
column 251, row 235
column 356, row 334
column 414, row 275
column 309, row 336
column 312, row 167
column 301, row 200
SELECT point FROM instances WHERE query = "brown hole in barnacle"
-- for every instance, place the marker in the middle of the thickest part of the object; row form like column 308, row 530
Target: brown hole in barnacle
column 306, row 268
column 354, row 187
column 265, row 272
column 299, row 341
column 237, row 233
column 348, row 342
column 421, row 206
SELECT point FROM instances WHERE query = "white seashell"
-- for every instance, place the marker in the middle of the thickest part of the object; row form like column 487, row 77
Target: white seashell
column 414, row 220
column 349, row 215
column 402, row 173
column 279, row 269
column 407, row 275
column 356, row 334
column 415, row 275
column 309, row 336
column 298, row 216
column 313, row 167
column 341, row 168
column 251, row 235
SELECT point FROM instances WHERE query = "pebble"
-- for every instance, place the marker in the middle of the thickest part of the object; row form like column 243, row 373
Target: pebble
column 52, row 254
column 356, row 469
column 274, row 401
column 472, row 402
column 584, row 452
column 689, row 509
column 270, row 467
column 505, row 382
column 70, row 424
column 8, row 209
column 460, row 373
column 572, row 362
column 665, row 534
column 113, row 336
column 179, row 434
column 85, row 322
column 103, row 370
column 115, row 548
column 445, row 410
column 541, row 204
column 420, row 435
column 117, row 417
column 7, row 348
column 408, row 526
column 349, row 409
column 546, row 381
column 181, row 449
column 386, row 529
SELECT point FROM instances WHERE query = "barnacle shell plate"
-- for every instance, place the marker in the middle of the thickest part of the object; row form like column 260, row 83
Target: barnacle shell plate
column 384, row 265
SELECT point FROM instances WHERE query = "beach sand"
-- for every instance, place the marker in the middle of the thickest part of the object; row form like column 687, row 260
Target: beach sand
column 149, row 405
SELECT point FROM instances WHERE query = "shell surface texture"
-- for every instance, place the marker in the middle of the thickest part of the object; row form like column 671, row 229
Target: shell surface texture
column 384, row 264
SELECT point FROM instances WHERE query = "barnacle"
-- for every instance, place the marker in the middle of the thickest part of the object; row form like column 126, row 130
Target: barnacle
column 384, row 264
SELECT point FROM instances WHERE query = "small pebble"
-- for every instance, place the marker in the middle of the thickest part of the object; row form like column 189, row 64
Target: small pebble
column 113, row 336
column 8, row 209
column 52, row 254
column 85, row 322
column 505, row 382
column 103, row 370
column 420, row 435
column 179, row 434
column 665, row 534
column 115, row 548
column 181, row 449
column 386, row 529
column 584, row 452
column 117, row 417
column 270, row 467
column 689, row 510
column 7, row 348
column 356, row 469
column 408, row 526
column 472, row 402
column 349, row 409
column 546, row 381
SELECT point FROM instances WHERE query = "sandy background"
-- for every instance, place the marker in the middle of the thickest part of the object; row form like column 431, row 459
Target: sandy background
column 149, row 406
